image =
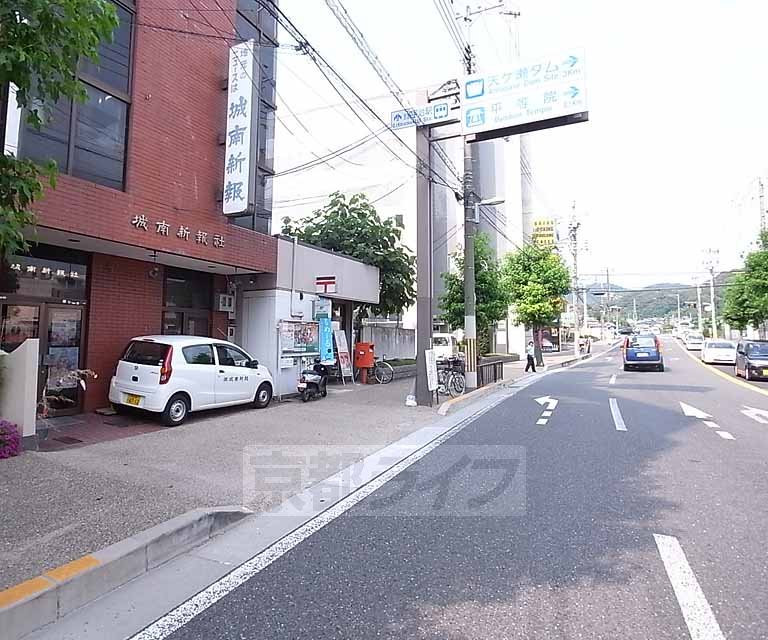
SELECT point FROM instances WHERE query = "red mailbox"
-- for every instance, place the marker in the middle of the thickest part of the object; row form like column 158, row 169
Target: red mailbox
column 364, row 357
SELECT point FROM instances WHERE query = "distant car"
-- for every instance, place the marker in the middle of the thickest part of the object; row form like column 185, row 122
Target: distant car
column 718, row 352
column 694, row 341
column 445, row 345
column 752, row 359
column 625, row 331
column 175, row 375
column 642, row 352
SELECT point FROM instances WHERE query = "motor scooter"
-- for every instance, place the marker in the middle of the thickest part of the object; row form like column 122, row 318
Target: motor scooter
column 313, row 382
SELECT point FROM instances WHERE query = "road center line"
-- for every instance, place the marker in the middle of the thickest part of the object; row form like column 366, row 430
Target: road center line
column 618, row 421
column 725, row 435
column 711, row 425
column 701, row 621
column 546, row 414
column 613, row 379
column 541, row 421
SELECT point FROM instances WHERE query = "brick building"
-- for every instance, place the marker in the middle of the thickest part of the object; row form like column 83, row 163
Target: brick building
column 133, row 240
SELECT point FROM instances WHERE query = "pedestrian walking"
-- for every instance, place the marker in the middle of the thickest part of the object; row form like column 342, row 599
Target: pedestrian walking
column 530, row 353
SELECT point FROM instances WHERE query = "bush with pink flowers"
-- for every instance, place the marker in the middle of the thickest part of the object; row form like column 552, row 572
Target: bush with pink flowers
column 10, row 441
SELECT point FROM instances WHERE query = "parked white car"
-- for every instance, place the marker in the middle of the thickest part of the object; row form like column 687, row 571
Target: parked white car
column 175, row 375
column 719, row 352
column 694, row 341
column 445, row 345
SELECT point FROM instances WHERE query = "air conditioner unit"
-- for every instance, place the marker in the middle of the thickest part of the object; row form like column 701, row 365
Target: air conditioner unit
column 226, row 303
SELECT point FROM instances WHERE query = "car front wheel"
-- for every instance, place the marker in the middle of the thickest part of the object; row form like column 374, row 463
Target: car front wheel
column 263, row 396
column 175, row 411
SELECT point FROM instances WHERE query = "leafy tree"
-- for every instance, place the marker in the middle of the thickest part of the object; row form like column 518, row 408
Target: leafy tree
column 354, row 228
column 491, row 298
column 746, row 297
column 41, row 43
column 536, row 280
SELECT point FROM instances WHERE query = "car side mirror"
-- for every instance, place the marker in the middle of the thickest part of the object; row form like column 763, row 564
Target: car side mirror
column 253, row 364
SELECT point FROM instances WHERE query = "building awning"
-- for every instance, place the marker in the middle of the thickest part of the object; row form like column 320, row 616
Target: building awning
column 57, row 237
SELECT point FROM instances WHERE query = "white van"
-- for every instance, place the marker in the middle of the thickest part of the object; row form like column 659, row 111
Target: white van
column 174, row 375
column 445, row 345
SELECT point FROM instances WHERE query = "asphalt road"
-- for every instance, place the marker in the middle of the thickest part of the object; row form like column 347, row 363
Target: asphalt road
column 614, row 516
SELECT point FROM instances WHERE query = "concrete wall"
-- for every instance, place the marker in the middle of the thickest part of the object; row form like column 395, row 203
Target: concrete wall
column 392, row 342
column 18, row 403
column 354, row 280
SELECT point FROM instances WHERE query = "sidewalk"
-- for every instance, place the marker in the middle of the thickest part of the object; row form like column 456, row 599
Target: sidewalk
column 514, row 370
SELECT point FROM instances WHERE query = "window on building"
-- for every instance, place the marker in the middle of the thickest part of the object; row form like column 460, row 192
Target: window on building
column 88, row 140
column 187, row 302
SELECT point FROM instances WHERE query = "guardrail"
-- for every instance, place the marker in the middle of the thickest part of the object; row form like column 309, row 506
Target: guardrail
column 490, row 372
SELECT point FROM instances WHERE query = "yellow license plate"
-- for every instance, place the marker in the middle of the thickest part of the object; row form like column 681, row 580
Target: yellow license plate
column 765, row 372
column 132, row 399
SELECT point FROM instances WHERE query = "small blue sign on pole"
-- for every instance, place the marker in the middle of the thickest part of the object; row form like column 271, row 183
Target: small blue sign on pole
column 326, row 341
column 428, row 114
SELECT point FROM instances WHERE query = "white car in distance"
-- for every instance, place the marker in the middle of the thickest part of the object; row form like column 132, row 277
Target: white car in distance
column 718, row 352
column 694, row 341
column 175, row 375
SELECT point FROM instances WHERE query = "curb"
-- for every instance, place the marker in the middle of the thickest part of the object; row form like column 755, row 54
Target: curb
column 52, row 595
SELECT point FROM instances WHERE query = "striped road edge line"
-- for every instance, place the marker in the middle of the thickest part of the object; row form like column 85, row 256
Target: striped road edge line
column 181, row 615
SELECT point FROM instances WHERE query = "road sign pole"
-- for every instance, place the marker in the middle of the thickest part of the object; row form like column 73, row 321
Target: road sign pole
column 470, row 321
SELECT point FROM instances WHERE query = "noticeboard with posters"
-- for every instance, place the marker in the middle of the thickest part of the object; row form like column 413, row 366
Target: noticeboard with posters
column 299, row 338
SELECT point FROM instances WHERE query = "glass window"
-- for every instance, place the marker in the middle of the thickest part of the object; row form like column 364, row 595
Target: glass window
column 17, row 323
column 144, row 352
column 267, row 72
column 100, row 139
column 56, row 276
column 198, row 354
column 642, row 342
column 245, row 29
column 231, row 357
column 113, row 66
column 51, row 142
column 243, row 221
column 266, row 136
column 187, row 289
column 173, row 321
column 440, row 342
column 757, row 349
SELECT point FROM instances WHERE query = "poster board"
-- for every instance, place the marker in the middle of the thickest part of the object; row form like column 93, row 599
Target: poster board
column 299, row 338
column 345, row 362
column 430, row 358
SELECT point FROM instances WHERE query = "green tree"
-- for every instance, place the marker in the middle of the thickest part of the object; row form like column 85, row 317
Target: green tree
column 746, row 296
column 354, row 228
column 536, row 280
column 41, row 43
column 491, row 298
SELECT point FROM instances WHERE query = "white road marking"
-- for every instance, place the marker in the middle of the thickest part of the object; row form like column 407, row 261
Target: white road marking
column 613, row 379
column 546, row 400
column 701, row 621
column 541, row 421
column 618, row 421
column 546, row 414
column 711, row 424
column 181, row 615
column 693, row 412
column 609, row 359
column 758, row 415
column 725, row 435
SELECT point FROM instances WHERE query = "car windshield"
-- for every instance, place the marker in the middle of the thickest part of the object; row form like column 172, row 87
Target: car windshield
column 694, row 336
column 757, row 349
column 441, row 342
column 719, row 345
column 642, row 342
column 142, row 352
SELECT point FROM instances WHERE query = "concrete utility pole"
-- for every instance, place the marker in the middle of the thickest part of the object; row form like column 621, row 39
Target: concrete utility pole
column 423, row 271
column 608, row 295
column 711, row 262
column 678, row 309
column 573, row 237
column 634, row 309
column 698, row 308
column 761, row 200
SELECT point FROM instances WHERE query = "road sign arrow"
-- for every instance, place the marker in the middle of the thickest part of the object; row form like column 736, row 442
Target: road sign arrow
column 758, row 415
column 693, row 412
column 573, row 92
column 571, row 61
column 546, row 400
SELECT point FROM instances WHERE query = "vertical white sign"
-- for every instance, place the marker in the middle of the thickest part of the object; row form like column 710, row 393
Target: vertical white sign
column 243, row 78
column 430, row 358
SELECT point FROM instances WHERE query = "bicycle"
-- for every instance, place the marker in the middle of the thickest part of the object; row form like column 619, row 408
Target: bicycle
column 381, row 369
column 450, row 379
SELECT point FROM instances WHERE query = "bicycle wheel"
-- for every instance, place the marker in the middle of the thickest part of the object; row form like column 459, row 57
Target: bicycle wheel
column 383, row 372
column 456, row 384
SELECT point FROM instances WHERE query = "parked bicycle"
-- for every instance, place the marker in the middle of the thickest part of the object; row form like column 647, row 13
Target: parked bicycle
column 381, row 370
column 450, row 377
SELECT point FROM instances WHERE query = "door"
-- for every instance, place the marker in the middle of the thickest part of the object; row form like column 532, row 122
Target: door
column 235, row 380
column 739, row 357
column 61, row 354
column 199, row 376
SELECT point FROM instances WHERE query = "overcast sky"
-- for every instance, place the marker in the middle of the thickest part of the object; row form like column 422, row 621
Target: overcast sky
column 667, row 165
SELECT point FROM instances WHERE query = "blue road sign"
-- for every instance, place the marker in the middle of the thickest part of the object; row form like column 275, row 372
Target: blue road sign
column 429, row 114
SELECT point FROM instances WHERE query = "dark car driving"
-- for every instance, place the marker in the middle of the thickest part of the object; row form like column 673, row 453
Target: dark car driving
column 752, row 359
column 643, row 352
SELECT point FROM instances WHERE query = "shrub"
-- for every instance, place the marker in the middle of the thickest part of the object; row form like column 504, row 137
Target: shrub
column 10, row 441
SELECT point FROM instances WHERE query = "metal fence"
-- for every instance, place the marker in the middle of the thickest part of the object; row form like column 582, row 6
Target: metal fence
column 490, row 372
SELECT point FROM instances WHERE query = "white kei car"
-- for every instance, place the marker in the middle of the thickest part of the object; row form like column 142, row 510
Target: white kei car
column 175, row 375
column 719, row 352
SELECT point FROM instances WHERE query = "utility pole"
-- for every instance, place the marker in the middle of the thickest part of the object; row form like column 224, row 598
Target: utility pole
column 698, row 308
column 711, row 262
column 678, row 310
column 634, row 309
column 608, row 295
column 761, row 199
column 573, row 233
